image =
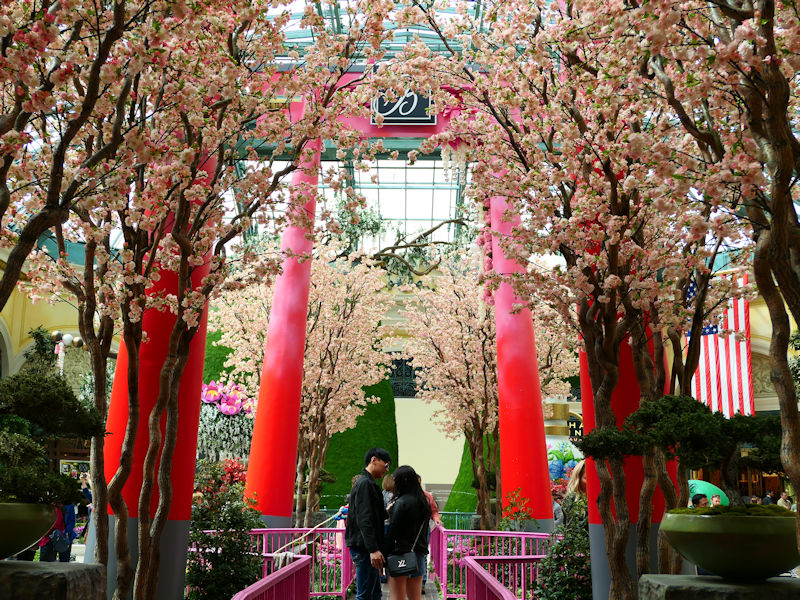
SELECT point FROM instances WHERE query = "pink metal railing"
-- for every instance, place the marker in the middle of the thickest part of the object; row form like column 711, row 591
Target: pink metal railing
column 331, row 571
column 483, row 586
column 450, row 549
column 515, row 574
column 292, row 582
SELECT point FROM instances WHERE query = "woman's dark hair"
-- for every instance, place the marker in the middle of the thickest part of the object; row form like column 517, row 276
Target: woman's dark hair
column 406, row 482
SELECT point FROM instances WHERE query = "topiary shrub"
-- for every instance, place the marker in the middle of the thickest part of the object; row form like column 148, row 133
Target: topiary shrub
column 37, row 405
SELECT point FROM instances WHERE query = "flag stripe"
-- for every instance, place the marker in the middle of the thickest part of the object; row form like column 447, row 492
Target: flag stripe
column 746, row 352
column 723, row 380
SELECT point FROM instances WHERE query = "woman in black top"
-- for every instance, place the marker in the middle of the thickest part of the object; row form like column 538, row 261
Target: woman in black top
column 408, row 531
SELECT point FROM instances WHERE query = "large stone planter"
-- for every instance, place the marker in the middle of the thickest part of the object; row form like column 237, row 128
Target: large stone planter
column 22, row 525
column 734, row 546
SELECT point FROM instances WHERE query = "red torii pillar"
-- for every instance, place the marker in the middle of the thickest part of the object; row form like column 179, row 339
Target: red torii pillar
column 523, row 450
column 175, row 537
column 273, row 451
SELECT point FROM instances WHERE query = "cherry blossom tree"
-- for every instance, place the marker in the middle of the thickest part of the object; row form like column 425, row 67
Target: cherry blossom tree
column 728, row 71
column 165, row 186
column 58, row 76
column 452, row 343
column 347, row 300
column 563, row 125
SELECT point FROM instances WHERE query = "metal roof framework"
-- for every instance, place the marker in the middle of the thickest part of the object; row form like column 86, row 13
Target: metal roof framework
column 409, row 198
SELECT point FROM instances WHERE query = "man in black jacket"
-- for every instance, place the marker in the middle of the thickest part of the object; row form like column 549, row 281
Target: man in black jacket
column 363, row 533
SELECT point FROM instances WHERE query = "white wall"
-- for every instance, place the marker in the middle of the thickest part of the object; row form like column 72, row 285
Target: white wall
column 422, row 445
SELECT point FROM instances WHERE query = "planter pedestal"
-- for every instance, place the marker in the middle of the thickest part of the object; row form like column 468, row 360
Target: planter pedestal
column 23, row 580
column 701, row 587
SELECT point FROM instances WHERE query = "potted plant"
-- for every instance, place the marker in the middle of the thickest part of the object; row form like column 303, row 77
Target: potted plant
column 36, row 406
column 747, row 542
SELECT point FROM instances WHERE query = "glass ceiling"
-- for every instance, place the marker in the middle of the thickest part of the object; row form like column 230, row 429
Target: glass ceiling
column 409, row 198
column 339, row 21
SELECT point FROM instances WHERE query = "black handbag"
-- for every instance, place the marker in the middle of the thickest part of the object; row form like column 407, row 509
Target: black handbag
column 405, row 563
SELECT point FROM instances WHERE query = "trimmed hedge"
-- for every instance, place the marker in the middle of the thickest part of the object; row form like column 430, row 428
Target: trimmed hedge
column 345, row 458
column 463, row 497
column 215, row 357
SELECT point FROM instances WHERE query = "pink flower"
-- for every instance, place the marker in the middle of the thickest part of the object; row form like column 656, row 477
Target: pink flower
column 211, row 393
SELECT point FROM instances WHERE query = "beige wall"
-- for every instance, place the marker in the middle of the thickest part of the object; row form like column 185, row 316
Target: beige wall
column 760, row 335
column 422, row 445
column 19, row 316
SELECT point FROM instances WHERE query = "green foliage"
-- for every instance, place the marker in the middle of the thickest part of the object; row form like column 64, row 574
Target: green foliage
column 212, row 477
column 86, row 385
column 766, row 455
column 683, row 427
column 42, row 353
column 37, row 405
column 38, row 484
column 46, row 400
column 345, row 456
column 746, row 510
column 565, row 573
column 18, row 448
column 222, row 561
column 356, row 224
column 610, row 443
column 463, row 497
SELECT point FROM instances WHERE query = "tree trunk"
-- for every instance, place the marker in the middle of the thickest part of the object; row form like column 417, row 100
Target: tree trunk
column 299, row 482
column 649, row 390
column 165, row 465
column 612, row 489
column 780, row 374
column 602, row 339
column 730, row 476
column 160, row 447
column 666, row 555
column 132, row 337
column 645, row 512
column 475, row 444
column 494, row 453
column 313, row 479
column 99, row 486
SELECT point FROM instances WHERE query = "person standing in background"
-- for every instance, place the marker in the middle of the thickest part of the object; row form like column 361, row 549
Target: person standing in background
column 58, row 541
column 436, row 519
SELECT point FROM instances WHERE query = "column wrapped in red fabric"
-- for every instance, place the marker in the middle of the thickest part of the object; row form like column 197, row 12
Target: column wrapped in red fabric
column 273, row 451
column 523, row 450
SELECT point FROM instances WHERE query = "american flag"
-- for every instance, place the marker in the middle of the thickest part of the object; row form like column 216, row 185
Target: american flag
column 724, row 377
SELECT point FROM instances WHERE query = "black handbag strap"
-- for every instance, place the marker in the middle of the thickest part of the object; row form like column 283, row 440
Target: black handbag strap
column 419, row 533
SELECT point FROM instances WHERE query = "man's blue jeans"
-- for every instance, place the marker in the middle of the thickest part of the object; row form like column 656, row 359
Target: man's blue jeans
column 368, row 586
